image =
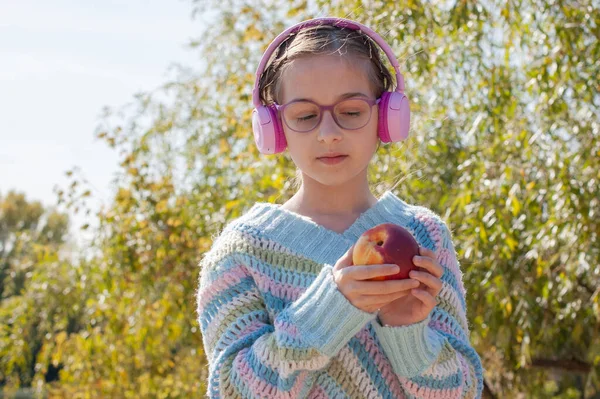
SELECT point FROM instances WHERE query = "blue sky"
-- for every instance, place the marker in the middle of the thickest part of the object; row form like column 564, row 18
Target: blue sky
column 60, row 63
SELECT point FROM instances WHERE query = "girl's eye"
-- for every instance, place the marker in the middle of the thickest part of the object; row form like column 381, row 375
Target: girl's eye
column 305, row 118
column 355, row 114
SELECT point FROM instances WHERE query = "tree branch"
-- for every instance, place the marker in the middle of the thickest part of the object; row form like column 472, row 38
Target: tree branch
column 487, row 391
column 570, row 365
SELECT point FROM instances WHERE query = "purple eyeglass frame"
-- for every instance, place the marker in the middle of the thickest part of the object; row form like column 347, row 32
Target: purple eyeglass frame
column 330, row 107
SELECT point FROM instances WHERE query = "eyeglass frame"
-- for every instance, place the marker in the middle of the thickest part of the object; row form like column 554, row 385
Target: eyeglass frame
column 330, row 107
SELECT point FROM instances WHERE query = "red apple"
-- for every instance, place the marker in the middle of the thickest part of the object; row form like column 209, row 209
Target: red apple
column 387, row 243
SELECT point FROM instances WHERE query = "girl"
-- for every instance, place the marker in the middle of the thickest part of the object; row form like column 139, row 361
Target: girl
column 282, row 310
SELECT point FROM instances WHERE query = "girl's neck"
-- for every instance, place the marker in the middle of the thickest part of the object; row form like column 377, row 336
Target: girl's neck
column 315, row 199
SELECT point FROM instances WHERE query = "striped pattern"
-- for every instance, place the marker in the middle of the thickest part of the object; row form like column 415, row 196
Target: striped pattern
column 274, row 324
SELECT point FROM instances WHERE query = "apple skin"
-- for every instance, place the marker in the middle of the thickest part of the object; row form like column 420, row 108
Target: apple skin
column 387, row 243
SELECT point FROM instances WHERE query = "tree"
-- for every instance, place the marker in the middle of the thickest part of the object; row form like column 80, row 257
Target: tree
column 504, row 145
column 29, row 233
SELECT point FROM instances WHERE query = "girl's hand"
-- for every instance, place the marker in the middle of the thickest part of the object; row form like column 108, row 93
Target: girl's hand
column 416, row 306
column 369, row 296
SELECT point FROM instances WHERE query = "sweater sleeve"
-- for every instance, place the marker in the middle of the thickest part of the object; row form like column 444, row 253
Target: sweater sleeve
column 249, row 354
column 434, row 358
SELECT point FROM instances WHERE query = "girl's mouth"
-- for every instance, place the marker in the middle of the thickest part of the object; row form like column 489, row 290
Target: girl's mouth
column 333, row 160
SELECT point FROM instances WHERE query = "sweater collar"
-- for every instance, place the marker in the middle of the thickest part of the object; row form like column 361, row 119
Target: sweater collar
column 312, row 239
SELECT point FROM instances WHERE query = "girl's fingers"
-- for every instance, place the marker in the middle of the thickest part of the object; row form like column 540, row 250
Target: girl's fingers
column 427, row 279
column 426, row 251
column 425, row 297
column 429, row 264
column 379, row 288
column 382, row 300
column 367, row 272
column 346, row 259
column 429, row 289
column 370, row 303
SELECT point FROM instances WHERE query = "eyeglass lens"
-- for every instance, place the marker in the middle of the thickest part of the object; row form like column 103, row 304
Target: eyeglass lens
column 303, row 116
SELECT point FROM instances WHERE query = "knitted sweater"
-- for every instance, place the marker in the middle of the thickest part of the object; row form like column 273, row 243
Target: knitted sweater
column 275, row 325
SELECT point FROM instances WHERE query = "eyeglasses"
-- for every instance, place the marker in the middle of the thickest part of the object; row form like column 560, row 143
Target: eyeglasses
column 304, row 115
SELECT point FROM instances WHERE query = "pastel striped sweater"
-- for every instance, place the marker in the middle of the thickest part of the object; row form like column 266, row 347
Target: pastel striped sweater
column 274, row 324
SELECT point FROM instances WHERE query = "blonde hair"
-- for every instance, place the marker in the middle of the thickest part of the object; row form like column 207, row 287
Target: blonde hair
column 321, row 40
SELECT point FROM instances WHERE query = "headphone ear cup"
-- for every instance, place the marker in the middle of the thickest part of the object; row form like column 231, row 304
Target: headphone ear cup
column 394, row 117
column 267, row 129
column 280, row 140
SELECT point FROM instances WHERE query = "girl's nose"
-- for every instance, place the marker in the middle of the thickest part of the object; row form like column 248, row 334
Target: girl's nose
column 328, row 129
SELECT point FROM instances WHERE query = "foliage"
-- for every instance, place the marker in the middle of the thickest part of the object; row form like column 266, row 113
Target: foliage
column 504, row 145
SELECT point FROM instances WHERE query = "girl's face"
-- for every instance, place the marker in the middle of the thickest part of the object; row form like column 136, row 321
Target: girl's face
column 325, row 79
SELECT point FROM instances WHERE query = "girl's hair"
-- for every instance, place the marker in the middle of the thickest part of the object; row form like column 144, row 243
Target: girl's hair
column 322, row 40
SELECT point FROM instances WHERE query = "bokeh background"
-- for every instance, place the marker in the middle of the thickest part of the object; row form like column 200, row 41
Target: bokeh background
column 126, row 145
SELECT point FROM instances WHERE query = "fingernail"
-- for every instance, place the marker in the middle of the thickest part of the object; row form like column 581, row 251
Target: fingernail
column 416, row 259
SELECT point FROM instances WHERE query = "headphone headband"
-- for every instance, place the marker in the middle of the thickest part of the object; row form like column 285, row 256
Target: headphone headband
column 341, row 22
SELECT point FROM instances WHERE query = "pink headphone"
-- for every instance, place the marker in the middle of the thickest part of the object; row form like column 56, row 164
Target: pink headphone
column 394, row 109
